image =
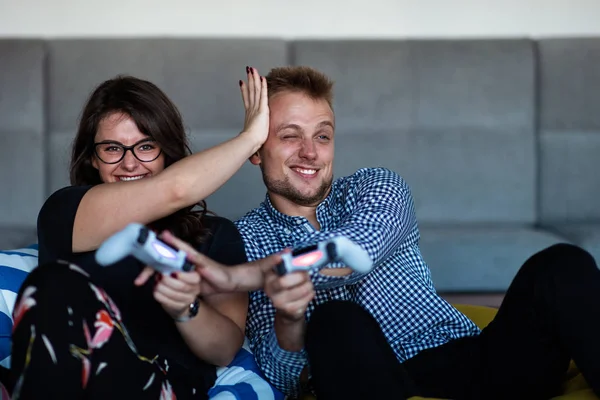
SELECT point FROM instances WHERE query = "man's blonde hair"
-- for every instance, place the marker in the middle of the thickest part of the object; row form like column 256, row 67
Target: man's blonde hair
column 302, row 79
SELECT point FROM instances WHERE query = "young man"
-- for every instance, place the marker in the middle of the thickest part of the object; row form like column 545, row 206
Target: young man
column 387, row 334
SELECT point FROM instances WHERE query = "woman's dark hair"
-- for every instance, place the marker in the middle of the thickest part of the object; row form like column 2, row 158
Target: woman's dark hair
column 156, row 116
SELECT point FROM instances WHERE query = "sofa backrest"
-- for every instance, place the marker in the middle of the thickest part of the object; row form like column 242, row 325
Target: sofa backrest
column 484, row 131
column 569, row 130
column 22, row 128
column 455, row 118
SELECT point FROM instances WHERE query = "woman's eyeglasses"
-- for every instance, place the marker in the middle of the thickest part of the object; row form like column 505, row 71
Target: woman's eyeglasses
column 111, row 152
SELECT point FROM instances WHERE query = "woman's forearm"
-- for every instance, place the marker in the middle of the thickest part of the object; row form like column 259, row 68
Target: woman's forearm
column 212, row 336
column 196, row 177
column 182, row 184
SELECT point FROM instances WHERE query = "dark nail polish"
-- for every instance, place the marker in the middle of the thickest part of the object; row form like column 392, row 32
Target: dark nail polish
column 174, row 275
column 262, row 78
column 247, row 69
column 241, row 83
column 158, row 277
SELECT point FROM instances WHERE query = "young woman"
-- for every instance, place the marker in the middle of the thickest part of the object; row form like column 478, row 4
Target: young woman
column 82, row 330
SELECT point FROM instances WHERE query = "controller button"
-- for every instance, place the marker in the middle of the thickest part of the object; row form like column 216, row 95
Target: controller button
column 331, row 251
column 280, row 269
column 143, row 236
column 187, row 266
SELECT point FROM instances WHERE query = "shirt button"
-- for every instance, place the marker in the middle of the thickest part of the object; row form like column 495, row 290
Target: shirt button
column 287, row 231
column 298, row 222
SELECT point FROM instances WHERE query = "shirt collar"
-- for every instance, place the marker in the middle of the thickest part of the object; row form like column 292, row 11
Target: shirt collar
column 279, row 217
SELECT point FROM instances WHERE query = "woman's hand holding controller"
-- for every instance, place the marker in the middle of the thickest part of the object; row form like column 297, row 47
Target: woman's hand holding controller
column 214, row 276
column 175, row 292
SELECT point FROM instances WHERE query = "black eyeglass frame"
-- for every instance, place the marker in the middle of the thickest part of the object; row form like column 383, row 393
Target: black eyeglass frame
column 125, row 149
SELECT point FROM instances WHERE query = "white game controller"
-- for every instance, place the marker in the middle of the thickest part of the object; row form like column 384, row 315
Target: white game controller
column 336, row 249
column 139, row 241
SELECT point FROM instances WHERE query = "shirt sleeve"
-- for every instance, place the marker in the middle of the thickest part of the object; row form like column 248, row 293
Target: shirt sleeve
column 281, row 367
column 382, row 219
column 55, row 223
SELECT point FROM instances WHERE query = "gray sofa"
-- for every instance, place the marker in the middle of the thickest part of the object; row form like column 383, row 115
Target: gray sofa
column 497, row 138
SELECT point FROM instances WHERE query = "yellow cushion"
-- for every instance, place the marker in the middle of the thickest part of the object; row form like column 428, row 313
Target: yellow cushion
column 575, row 387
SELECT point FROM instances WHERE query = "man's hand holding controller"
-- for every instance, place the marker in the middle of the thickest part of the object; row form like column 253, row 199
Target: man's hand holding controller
column 317, row 256
column 291, row 290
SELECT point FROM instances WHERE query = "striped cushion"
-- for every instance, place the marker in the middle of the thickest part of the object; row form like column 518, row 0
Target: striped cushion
column 14, row 267
column 243, row 380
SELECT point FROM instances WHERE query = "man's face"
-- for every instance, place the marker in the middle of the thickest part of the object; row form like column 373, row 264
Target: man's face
column 297, row 158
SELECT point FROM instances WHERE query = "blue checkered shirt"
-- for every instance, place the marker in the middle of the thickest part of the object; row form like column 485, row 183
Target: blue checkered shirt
column 374, row 208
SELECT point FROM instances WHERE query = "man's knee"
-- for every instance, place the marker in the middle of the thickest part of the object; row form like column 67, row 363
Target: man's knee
column 569, row 257
column 570, row 251
column 563, row 262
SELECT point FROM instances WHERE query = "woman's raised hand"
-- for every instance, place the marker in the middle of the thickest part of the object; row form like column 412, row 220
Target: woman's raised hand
column 256, row 104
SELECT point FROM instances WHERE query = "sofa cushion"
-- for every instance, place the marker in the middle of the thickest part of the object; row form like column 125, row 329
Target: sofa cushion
column 22, row 117
column 455, row 175
column 568, row 178
column 14, row 237
column 569, row 129
column 22, row 85
column 467, row 259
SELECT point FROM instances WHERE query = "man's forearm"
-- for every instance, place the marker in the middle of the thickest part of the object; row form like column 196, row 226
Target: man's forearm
column 290, row 334
column 283, row 368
